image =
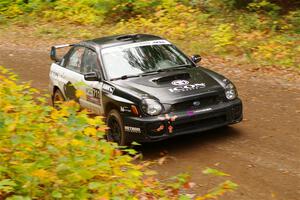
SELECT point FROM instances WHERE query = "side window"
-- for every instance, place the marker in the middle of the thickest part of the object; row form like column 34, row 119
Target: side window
column 89, row 62
column 75, row 58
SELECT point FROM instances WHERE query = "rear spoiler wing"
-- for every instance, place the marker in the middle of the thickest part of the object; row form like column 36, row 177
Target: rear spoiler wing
column 53, row 51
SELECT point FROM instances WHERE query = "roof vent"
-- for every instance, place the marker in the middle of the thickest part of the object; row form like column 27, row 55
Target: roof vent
column 133, row 37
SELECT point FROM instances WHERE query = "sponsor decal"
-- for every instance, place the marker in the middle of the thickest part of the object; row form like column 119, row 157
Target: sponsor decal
column 180, row 82
column 125, row 109
column 108, row 88
column 57, row 77
column 93, row 95
column 132, row 129
column 185, row 88
column 133, row 45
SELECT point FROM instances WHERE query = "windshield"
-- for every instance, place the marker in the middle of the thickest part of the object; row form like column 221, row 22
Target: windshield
column 142, row 57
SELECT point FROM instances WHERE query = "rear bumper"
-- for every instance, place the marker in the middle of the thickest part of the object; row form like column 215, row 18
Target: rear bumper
column 185, row 122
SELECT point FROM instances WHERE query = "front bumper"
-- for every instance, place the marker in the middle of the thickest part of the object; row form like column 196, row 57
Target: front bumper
column 183, row 122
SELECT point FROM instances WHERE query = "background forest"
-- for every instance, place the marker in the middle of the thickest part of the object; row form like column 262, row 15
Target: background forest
column 262, row 32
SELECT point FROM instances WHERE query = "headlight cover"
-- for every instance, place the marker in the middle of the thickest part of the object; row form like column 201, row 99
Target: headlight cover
column 151, row 107
column 230, row 91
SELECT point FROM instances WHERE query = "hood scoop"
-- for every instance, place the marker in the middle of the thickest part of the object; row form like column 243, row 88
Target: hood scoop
column 172, row 77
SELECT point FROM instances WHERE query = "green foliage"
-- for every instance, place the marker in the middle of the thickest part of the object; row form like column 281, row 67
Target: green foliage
column 61, row 154
column 256, row 37
column 223, row 37
column 264, row 6
column 293, row 20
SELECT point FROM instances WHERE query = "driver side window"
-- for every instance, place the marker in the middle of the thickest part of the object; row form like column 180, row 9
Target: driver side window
column 89, row 62
column 75, row 59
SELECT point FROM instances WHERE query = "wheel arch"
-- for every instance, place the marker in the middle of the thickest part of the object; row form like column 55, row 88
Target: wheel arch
column 56, row 88
column 110, row 106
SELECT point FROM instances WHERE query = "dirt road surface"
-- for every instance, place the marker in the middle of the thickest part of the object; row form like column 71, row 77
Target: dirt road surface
column 262, row 153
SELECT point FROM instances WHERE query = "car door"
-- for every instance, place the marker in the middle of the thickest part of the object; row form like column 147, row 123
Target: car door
column 92, row 89
column 72, row 74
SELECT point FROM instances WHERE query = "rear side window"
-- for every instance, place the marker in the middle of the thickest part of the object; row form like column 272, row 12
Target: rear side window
column 75, row 59
column 89, row 62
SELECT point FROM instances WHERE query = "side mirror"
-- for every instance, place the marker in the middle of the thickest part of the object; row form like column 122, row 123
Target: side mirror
column 53, row 54
column 196, row 58
column 91, row 76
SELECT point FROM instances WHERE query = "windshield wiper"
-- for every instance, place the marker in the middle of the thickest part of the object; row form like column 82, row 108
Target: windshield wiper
column 150, row 73
column 182, row 66
column 178, row 67
column 124, row 77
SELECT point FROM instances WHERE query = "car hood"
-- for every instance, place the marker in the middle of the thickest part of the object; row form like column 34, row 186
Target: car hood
column 172, row 86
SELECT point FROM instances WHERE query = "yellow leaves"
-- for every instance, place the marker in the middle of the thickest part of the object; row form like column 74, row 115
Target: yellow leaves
column 89, row 131
column 11, row 127
column 45, row 175
column 223, row 36
column 96, row 121
column 70, row 104
column 56, row 114
column 64, row 151
column 90, row 162
column 77, row 143
column 8, row 108
column 64, row 111
column 40, row 173
column 214, row 172
column 80, row 93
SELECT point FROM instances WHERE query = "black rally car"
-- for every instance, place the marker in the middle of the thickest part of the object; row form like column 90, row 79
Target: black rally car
column 145, row 86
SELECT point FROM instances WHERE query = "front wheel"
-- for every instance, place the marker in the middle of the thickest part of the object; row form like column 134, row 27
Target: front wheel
column 116, row 131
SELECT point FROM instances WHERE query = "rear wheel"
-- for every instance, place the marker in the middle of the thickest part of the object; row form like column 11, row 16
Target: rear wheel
column 58, row 98
column 116, row 131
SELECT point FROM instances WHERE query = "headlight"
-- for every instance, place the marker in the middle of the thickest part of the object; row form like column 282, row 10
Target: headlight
column 151, row 107
column 230, row 91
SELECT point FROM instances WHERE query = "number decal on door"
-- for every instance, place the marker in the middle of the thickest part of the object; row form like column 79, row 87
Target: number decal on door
column 93, row 95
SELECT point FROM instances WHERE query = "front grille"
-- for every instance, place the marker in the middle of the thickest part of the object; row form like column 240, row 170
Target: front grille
column 204, row 102
column 198, row 124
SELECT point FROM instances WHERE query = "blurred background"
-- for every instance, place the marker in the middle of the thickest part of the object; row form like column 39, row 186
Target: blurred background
column 255, row 43
column 263, row 32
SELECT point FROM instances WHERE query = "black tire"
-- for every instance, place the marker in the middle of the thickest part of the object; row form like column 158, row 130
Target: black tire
column 57, row 99
column 116, row 131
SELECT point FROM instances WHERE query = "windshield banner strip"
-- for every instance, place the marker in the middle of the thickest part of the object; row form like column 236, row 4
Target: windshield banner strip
column 137, row 44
